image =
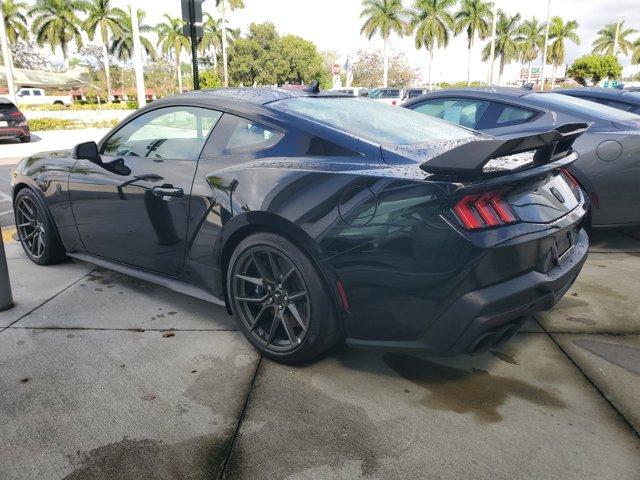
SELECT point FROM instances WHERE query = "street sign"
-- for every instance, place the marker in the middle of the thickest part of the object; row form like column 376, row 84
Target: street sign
column 197, row 17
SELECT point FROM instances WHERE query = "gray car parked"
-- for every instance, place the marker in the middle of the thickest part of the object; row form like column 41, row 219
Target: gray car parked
column 613, row 97
column 608, row 167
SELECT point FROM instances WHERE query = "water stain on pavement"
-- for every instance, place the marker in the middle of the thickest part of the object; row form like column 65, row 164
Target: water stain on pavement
column 505, row 357
column 198, row 458
column 472, row 391
column 308, row 429
column 584, row 321
column 621, row 355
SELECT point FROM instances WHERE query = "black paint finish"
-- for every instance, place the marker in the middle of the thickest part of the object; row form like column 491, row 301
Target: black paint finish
column 384, row 230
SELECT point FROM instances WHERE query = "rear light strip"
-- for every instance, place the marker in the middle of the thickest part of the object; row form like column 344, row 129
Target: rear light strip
column 483, row 210
column 573, row 183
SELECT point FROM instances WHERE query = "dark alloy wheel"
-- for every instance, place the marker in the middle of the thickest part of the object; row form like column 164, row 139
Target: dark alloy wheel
column 37, row 233
column 280, row 300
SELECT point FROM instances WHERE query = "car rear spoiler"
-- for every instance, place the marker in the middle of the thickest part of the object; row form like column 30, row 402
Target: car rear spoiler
column 467, row 161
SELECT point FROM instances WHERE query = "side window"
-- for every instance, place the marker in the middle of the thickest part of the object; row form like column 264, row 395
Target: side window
column 25, row 93
column 177, row 133
column 391, row 94
column 462, row 111
column 514, row 116
column 500, row 115
column 239, row 135
column 37, row 93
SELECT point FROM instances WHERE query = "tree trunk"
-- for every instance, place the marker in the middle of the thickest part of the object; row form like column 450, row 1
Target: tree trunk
column 225, row 71
column 469, row 62
column 430, row 62
column 501, row 70
column 178, row 72
column 65, row 55
column 215, row 58
column 529, row 73
column 553, row 76
column 105, row 60
column 385, row 67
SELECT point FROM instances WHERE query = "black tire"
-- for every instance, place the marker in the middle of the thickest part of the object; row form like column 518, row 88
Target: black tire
column 25, row 139
column 305, row 326
column 37, row 232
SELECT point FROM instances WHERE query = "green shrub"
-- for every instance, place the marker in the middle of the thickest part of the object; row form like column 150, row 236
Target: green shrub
column 48, row 123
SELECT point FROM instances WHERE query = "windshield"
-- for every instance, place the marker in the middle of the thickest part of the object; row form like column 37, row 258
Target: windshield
column 371, row 120
column 586, row 107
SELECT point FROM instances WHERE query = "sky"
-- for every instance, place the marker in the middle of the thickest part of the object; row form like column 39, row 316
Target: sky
column 335, row 25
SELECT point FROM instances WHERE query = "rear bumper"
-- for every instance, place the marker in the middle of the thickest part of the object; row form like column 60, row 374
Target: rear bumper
column 490, row 316
column 14, row 132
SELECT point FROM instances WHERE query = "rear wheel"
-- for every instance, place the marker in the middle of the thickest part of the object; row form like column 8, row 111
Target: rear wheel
column 279, row 298
column 25, row 139
column 37, row 232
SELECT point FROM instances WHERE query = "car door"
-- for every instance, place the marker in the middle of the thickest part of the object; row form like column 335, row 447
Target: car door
column 133, row 206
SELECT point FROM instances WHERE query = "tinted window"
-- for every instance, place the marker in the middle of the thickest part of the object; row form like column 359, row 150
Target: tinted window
column 463, row 111
column 375, row 121
column 579, row 105
column 6, row 104
column 25, row 93
column 249, row 134
column 37, row 93
column 174, row 133
column 513, row 116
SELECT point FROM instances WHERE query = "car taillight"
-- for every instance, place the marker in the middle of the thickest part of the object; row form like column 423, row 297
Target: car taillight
column 573, row 183
column 484, row 210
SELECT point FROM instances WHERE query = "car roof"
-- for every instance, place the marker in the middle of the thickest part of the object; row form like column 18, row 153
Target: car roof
column 260, row 95
column 611, row 93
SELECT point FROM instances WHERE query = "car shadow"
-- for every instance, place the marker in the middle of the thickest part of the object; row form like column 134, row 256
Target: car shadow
column 34, row 139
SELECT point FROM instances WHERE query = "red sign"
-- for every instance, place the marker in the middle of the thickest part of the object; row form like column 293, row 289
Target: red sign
column 335, row 69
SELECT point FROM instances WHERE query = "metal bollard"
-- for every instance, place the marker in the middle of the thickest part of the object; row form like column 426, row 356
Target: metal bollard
column 6, row 298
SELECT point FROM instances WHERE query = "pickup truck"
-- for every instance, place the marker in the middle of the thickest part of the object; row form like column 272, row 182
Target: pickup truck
column 37, row 96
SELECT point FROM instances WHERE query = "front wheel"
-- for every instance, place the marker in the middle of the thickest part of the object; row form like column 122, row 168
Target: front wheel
column 280, row 300
column 36, row 231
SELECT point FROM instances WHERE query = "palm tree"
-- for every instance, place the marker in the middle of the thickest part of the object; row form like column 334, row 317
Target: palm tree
column 171, row 41
column 605, row 43
column 223, row 5
column 122, row 46
column 211, row 37
column 506, row 43
column 531, row 40
column 56, row 23
column 474, row 16
column 432, row 21
column 383, row 17
column 559, row 32
column 635, row 57
column 107, row 20
column 15, row 23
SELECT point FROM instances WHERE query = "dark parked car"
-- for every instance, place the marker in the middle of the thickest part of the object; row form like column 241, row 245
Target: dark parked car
column 13, row 124
column 316, row 217
column 612, row 97
column 608, row 166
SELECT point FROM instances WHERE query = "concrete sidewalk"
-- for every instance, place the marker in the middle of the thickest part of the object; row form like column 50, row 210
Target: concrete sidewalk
column 104, row 376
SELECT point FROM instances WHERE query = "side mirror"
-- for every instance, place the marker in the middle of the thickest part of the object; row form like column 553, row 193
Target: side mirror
column 86, row 151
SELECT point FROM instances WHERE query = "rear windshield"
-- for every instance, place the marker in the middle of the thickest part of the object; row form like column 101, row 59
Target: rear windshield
column 6, row 104
column 579, row 105
column 372, row 120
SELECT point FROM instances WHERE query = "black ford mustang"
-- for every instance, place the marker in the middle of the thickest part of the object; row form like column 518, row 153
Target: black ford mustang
column 316, row 217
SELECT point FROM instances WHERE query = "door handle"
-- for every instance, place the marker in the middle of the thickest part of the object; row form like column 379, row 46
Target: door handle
column 168, row 192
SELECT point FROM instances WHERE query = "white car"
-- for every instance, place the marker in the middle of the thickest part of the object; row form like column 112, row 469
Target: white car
column 37, row 96
column 391, row 96
column 355, row 91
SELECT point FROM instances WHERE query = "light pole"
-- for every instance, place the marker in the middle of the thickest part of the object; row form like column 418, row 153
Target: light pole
column 615, row 41
column 493, row 44
column 6, row 54
column 137, row 55
column 546, row 45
